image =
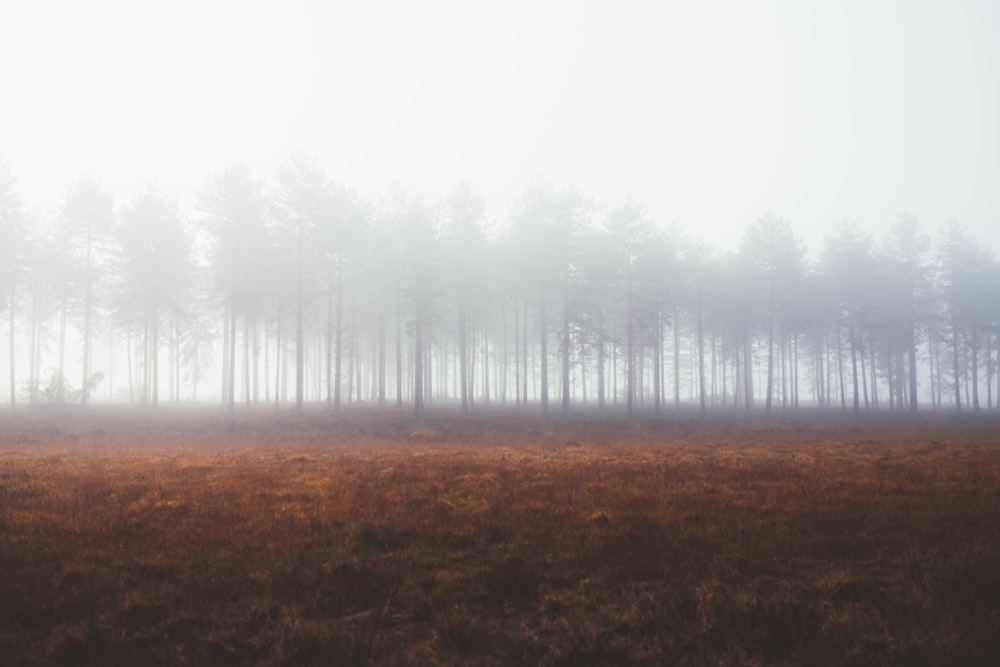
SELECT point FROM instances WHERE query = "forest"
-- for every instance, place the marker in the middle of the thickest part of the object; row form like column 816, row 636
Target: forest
column 294, row 290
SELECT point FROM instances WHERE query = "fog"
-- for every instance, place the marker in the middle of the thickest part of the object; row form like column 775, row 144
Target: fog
column 551, row 205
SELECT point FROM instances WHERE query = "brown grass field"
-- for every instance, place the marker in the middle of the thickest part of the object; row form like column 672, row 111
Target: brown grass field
column 132, row 538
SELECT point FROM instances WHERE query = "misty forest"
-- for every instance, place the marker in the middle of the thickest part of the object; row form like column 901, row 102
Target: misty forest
column 295, row 290
column 548, row 333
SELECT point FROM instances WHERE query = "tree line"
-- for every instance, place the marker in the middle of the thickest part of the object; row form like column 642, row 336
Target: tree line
column 294, row 290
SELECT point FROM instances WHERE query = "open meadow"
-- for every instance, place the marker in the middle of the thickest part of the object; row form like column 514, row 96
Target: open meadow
column 141, row 538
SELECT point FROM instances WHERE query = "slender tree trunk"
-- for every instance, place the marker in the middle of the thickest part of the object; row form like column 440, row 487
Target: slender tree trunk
column 517, row 353
column 874, row 377
column 277, row 355
column 747, row 368
column 677, row 358
column 231, row 380
column 339, row 341
column 629, row 348
column 463, row 357
column 87, row 307
column 300, row 348
column 399, row 352
column 226, row 316
column 128, row 357
column 989, row 372
column 60, row 391
column 144, row 365
column 912, row 354
column 544, row 352
column 256, row 355
column 864, row 376
column 600, row 359
column 505, row 366
column 701, row 360
column 154, row 357
column 486, row 358
column 524, row 351
column 472, row 355
column 854, row 363
column 891, row 371
column 13, row 348
column 954, row 348
column 329, row 340
column 658, row 362
column 565, row 342
column 795, row 371
column 381, row 357
column 840, row 371
column 974, row 353
column 177, row 361
column 770, row 358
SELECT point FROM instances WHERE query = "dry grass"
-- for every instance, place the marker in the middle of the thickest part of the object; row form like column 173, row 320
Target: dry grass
column 372, row 539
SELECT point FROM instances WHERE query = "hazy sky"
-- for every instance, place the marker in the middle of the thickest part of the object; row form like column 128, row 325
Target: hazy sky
column 710, row 113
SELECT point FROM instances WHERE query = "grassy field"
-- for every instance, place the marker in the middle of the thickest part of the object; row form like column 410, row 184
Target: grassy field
column 131, row 538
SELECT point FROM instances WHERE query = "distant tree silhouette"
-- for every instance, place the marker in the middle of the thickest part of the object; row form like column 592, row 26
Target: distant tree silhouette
column 962, row 265
column 301, row 184
column 88, row 224
column 234, row 211
column 480, row 307
column 466, row 251
column 776, row 258
column 155, row 268
column 631, row 232
column 12, row 236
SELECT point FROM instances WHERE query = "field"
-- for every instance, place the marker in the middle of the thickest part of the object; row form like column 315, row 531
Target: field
column 139, row 538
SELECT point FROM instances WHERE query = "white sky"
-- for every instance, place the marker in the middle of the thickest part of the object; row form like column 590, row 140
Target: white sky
column 711, row 113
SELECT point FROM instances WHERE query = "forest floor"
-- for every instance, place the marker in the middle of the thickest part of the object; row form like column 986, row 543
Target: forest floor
column 131, row 537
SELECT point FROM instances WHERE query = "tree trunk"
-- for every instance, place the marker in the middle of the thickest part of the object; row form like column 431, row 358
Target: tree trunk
column 600, row 359
column 912, row 354
column 154, row 358
column 747, row 368
column 13, row 349
column 864, row 377
column 974, row 353
column 246, row 357
column 954, row 348
column 61, row 390
column 658, row 362
column 128, row 357
column 701, row 361
column 629, row 349
column 463, row 357
column 231, row 380
column 873, row 374
column 277, row 355
column 399, row 352
column 381, row 358
column 677, row 358
column 770, row 359
column 87, row 307
column 854, row 363
column 565, row 342
column 224, row 393
column 329, row 340
column 840, row 371
column 418, row 357
column 544, row 352
column 300, row 347
column 486, row 358
column 338, row 342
